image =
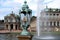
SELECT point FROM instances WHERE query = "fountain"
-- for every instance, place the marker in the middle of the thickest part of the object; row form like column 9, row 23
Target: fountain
column 25, row 17
column 44, row 29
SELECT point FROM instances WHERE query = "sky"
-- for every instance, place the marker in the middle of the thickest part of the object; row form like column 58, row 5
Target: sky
column 7, row 6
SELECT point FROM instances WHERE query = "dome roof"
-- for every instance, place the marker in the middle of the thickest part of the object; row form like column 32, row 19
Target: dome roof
column 12, row 14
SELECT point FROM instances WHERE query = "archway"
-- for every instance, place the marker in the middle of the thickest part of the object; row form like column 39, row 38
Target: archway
column 7, row 27
column 16, row 27
column 11, row 27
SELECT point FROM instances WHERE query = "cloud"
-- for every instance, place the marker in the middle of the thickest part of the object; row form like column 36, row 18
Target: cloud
column 54, row 4
column 6, row 6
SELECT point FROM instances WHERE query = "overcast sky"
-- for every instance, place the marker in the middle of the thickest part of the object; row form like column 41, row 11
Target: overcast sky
column 6, row 6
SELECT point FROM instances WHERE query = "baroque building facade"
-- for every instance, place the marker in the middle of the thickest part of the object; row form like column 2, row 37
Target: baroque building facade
column 12, row 22
column 50, row 19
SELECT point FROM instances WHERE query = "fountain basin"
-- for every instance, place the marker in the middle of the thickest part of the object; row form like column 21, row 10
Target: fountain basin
column 47, row 37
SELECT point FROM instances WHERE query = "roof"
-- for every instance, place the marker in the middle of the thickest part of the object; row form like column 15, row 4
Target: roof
column 33, row 18
column 12, row 15
column 55, row 10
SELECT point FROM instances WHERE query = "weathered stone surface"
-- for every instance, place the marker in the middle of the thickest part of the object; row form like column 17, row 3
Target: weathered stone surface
column 21, row 37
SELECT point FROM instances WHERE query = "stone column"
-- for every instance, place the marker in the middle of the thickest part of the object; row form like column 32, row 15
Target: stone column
column 14, row 27
column 9, row 27
column 45, row 23
column 52, row 23
column 5, row 27
column 17, row 27
column 56, row 23
column 49, row 23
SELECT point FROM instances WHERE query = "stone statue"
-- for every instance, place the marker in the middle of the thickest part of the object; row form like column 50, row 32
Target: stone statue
column 25, row 26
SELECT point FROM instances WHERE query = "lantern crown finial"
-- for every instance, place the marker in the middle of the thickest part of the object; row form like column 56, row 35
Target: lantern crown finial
column 25, row 2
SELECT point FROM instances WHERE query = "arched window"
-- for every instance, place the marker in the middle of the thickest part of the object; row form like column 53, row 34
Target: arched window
column 16, row 27
column 50, row 23
column 42, row 23
column 58, row 23
column 54, row 23
column 57, row 14
column 11, row 26
column 53, row 14
column 46, row 14
column 11, row 19
column 50, row 14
